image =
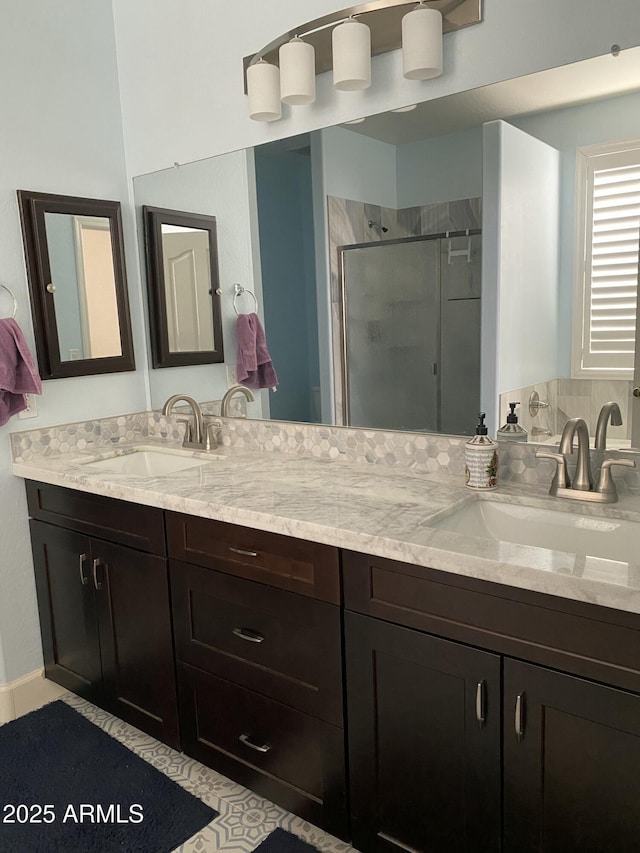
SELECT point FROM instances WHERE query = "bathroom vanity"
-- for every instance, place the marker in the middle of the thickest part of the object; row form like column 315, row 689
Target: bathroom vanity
column 398, row 685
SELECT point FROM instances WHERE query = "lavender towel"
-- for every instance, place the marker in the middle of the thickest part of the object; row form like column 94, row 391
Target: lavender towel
column 18, row 373
column 255, row 368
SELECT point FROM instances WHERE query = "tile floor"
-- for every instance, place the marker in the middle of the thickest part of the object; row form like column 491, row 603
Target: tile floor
column 245, row 818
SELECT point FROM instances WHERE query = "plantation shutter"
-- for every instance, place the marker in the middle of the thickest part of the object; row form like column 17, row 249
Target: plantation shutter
column 612, row 226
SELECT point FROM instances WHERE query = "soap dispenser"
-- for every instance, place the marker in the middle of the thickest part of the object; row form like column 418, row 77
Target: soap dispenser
column 512, row 431
column 481, row 459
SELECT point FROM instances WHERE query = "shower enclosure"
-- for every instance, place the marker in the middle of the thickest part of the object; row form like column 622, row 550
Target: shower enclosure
column 410, row 312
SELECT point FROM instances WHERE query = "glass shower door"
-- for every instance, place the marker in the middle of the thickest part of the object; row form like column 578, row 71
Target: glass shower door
column 391, row 313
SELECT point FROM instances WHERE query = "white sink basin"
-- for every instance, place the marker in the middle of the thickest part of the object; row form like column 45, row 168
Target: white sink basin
column 148, row 462
column 586, row 535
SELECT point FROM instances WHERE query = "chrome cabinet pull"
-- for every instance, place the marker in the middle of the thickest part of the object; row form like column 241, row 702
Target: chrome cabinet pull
column 246, row 740
column 96, row 565
column 520, row 717
column 84, row 580
column 248, row 635
column 243, row 553
column 481, row 714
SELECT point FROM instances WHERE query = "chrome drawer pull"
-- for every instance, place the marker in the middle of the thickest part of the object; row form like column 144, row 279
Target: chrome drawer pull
column 481, row 714
column 243, row 553
column 520, row 717
column 84, row 580
column 248, row 635
column 247, row 742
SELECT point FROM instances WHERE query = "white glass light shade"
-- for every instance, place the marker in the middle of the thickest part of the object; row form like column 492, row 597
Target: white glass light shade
column 422, row 44
column 297, row 72
column 263, row 88
column 351, row 43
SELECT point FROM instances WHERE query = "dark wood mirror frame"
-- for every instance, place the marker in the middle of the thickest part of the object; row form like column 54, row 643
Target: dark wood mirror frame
column 161, row 355
column 33, row 207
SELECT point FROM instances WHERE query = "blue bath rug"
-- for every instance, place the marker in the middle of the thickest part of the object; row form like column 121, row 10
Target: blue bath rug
column 68, row 787
column 281, row 841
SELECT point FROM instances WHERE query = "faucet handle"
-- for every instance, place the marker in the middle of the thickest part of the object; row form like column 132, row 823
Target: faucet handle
column 188, row 429
column 606, row 484
column 212, row 434
column 561, row 479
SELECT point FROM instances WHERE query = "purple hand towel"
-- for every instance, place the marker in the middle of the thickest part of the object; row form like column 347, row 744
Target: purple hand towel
column 255, row 368
column 18, row 373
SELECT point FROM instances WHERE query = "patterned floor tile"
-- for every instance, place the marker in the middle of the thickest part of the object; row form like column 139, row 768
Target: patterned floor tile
column 310, row 833
column 245, row 818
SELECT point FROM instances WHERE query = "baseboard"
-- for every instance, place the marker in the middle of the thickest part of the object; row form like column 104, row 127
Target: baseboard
column 26, row 694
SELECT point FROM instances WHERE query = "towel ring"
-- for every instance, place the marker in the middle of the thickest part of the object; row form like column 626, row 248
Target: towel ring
column 238, row 291
column 13, row 296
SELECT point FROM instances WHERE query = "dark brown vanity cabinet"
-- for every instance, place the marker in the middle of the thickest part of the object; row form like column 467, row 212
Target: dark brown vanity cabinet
column 104, row 607
column 457, row 745
column 424, row 741
column 257, row 627
column 571, row 764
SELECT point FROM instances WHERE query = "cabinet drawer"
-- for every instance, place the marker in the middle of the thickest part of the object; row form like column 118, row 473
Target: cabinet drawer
column 282, row 645
column 135, row 525
column 287, row 756
column 292, row 564
column 595, row 642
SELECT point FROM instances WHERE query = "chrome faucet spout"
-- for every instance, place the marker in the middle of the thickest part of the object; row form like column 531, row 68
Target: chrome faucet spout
column 610, row 411
column 226, row 400
column 582, row 479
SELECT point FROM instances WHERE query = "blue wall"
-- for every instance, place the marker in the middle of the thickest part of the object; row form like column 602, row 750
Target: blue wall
column 287, row 251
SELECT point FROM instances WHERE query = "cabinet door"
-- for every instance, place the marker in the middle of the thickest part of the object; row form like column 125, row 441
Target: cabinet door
column 424, row 721
column 571, row 763
column 67, row 609
column 132, row 592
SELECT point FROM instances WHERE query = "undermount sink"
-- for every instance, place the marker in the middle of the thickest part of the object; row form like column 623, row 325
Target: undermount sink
column 148, row 461
column 586, row 535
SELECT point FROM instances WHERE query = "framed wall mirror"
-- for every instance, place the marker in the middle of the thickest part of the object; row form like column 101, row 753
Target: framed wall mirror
column 74, row 254
column 183, row 288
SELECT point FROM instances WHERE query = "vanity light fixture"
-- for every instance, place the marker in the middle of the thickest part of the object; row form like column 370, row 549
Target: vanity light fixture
column 406, row 109
column 422, row 43
column 351, row 42
column 345, row 41
column 263, row 88
column 297, row 72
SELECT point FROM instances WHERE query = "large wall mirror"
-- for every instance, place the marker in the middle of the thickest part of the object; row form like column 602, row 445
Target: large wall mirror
column 183, row 288
column 458, row 216
column 75, row 266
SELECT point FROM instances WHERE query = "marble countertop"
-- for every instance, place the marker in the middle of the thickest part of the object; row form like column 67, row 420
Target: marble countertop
column 379, row 510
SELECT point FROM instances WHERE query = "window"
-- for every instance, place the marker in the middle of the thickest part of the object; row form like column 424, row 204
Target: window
column 607, row 260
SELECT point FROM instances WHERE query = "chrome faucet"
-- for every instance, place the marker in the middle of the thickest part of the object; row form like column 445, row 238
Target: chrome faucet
column 608, row 411
column 226, row 400
column 581, row 489
column 197, row 434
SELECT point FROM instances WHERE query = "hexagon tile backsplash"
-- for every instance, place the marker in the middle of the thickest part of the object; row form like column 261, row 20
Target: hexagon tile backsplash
column 422, row 452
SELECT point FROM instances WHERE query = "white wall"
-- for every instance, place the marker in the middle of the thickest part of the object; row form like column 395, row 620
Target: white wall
column 519, row 264
column 358, row 167
column 61, row 133
column 445, row 168
column 181, row 66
